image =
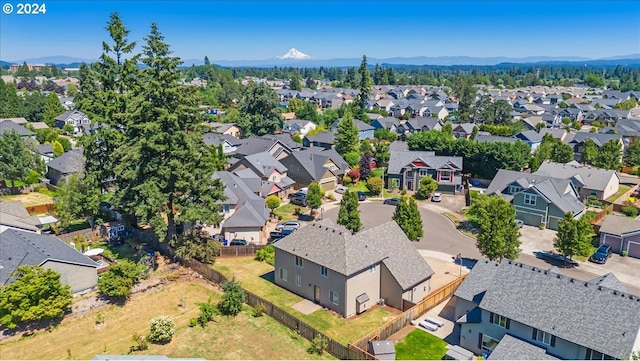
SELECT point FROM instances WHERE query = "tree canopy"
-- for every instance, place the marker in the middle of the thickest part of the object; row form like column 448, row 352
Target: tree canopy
column 574, row 236
column 349, row 215
column 78, row 198
column 498, row 233
column 17, row 157
column 346, row 139
column 408, row 218
column 259, row 111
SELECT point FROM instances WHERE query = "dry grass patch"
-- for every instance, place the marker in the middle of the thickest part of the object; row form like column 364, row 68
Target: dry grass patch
column 29, row 199
column 257, row 277
column 243, row 337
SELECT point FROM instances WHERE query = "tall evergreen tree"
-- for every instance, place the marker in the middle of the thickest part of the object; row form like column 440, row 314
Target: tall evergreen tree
column 16, row 157
column 365, row 85
column 349, row 215
column 52, row 108
column 164, row 170
column 407, row 216
column 347, row 140
column 259, row 111
column 13, row 106
column 465, row 91
column 3, row 98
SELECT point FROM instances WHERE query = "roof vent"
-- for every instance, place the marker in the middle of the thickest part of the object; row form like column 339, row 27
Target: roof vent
column 599, row 288
column 510, row 262
column 571, row 280
column 586, row 284
column 558, row 276
column 615, row 292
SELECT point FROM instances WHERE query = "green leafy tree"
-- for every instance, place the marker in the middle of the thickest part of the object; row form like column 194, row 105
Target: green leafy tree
column 346, row 139
column 233, row 298
column 365, row 85
column 626, row 105
column 609, row 155
column 574, row 236
column 295, row 105
column 314, row 196
column 498, row 233
column 295, row 83
column 72, row 90
column 58, row 149
column 381, row 153
column 52, row 108
column 349, row 215
column 259, row 111
column 78, row 198
column 594, row 81
column 632, row 154
column 17, row 158
column 164, row 170
column 272, row 202
column 465, row 91
column 407, row 216
column 197, row 244
column 23, row 71
column 308, row 112
column 118, row 281
column 161, row 329
column 36, row 294
column 427, row 186
column 34, row 106
column 589, row 152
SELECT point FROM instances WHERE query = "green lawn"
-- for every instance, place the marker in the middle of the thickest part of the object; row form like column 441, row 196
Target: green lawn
column 420, row 345
column 622, row 189
column 286, row 211
column 256, row 277
column 362, row 187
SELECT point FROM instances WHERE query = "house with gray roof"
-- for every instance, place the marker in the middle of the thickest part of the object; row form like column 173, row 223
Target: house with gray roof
column 532, row 138
column 322, row 140
column 75, row 118
column 538, row 200
column 577, row 140
column 60, row 168
column 299, row 126
column 421, row 124
column 588, row 181
column 389, row 123
column 272, row 174
column 8, row 125
column 229, row 143
column 541, row 314
column 253, row 145
column 365, row 131
column 18, row 248
column 326, row 167
column 463, row 130
column 556, row 133
column 408, row 168
column 488, row 138
column 14, row 215
column 349, row 273
column 622, row 234
column 245, row 212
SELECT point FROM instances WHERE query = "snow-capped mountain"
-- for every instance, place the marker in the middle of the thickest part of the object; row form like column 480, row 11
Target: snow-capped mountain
column 294, row 54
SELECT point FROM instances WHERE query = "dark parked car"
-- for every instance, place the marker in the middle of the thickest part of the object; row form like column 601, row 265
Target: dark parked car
column 392, row 201
column 297, row 195
column 299, row 201
column 361, row 196
column 601, row 255
column 238, row 242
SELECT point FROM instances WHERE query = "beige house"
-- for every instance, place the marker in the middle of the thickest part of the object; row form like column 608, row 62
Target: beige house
column 326, row 167
column 588, row 181
column 231, row 129
column 349, row 273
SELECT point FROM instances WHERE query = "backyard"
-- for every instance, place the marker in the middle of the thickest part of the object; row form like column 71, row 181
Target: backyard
column 243, row 337
column 30, row 199
column 420, row 345
column 257, row 277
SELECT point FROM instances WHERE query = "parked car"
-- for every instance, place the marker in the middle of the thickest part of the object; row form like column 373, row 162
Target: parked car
column 361, row 196
column 340, row 189
column 520, row 223
column 297, row 195
column 299, row 201
column 238, row 242
column 392, row 201
column 436, row 197
column 289, row 224
column 601, row 255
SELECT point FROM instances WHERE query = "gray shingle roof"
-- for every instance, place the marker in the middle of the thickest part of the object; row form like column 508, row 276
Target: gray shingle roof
column 45, row 149
column 70, row 162
column 593, row 178
column 592, row 316
column 250, row 207
column 216, row 139
column 28, row 248
column 400, row 159
column 618, row 225
column 322, row 137
column 512, row 348
column 314, row 159
column 598, row 138
column 253, row 145
column 610, row 281
column 530, row 135
column 323, row 244
column 14, row 214
column 421, row 122
column 8, row 125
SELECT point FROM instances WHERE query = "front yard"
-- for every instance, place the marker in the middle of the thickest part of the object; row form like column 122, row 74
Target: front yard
column 257, row 277
column 243, row 337
column 420, row 345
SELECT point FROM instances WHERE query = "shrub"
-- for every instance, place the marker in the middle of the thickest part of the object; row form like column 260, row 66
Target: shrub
column 427, row 186
column 374, row 185
column 233, row 298
column 99, row 318
column 141, row 343
column 193, row 322
column 354, row 174
column 330, row 196
column 161, row 329
column 207, row 311
column 347, row 180
column 624, row 253
column 266, row 254
column 630, row 200
column 630, row 211
column 352, row 158
column 403, row 192
column 272, row 202
column 318, row 345
column 259, row 310
column 33, row 177
column 542, row 226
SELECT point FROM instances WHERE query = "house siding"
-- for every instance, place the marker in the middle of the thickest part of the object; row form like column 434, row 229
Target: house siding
column 78, row 277
column 359, row 283
column 250, row 234
column 390, row 289
column 418, row 292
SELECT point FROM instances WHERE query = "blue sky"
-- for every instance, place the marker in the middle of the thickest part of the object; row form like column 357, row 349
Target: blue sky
column 253, row 30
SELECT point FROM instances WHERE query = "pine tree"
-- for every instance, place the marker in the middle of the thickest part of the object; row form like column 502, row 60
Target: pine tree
column 52, row 108
column 164, row 170
column 365, row 86
column 259, row 111
column 16, row 157
column 407, row 216
column 347, row 140
column 349, row 215
column 13, row 105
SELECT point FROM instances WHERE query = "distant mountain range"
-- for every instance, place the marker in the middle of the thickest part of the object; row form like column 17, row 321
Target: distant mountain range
column 295, row 58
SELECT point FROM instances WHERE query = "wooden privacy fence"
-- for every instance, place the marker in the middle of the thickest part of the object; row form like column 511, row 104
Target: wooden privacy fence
column 240, row 251
column 405, row 318
column 84, row 233
column 41, row 208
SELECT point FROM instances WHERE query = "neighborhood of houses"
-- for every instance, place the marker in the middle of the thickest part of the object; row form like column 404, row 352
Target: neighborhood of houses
column 503, row 310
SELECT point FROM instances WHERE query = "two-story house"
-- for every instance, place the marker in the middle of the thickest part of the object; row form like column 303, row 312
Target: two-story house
column 271, row 174
column 408, row 168
column 538, row 200
column 228, row 142
column 299, row 126
column 231, row 129
column 621, row 234
column 326, row 167
column 75, row 118
column 350, row 273
column 577, row 140
column 61, row 168
column 323, row 140
column 588, row 181
column 512, row 311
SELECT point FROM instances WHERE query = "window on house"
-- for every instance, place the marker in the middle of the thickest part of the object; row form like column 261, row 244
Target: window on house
column 299, row 261
column 596, row 355
column 273, row 179
column 409, row 175
column 324, row 271
column 487, row 343
column 514, row 189
column 422, row 172
column 543, row 337
column 334, row 297
column 499, row 320
column 283, row 274
column 445, row 176
column 530, row 199
column 226, row 208
column 372, row 268
column 298, row 280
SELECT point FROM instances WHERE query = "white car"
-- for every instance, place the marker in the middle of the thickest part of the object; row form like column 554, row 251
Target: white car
column 340, row 189
column 436, row 197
